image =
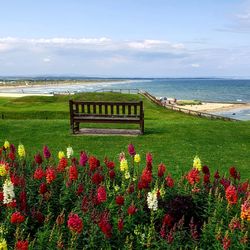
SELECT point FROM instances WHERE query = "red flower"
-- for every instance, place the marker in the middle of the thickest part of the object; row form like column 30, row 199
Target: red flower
column 17, row 218
column 149, row 160
column 193, row 176
column 226, row 242
column 167, row 220
column 38, row 158
column 63, row 163
column 119, row 200
column 23, row 201
column 50, row 174
column 12, row 156
column 83, row 159
column 39, row 173
column 22, row 245
column 205, row 170
column 75, row 223
column 169, row 181
column 97, row 178
column 112, row 174
column 231, row 195
column 131, row 188
column 105, row 226
column 234, row 174
column 38, row 216
column 46, row 152
column 73, row 173
column 80, row 189
column 43, row 188
column 93, row 163
column 12, row 204
column 206, row 178
column 161, row 170
column 131, row 149
column 120, row 224
column 216, row 175
column 146, row 176
column 109, row 164
column 132, row 209
column 1, row 196
column 242, row 188
column 225, row 183
column 101, row 194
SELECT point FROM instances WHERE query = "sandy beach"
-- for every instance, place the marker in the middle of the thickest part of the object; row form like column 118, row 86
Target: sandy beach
column 216, row 107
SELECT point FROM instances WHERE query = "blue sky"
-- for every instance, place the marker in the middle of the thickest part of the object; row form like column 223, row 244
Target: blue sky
column 125, row 38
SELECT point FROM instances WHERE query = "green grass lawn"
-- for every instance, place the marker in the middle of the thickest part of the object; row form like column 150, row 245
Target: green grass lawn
column 173, row 138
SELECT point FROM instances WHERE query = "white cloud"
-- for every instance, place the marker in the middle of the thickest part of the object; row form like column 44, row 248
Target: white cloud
column 195, row 65
column 46, row 60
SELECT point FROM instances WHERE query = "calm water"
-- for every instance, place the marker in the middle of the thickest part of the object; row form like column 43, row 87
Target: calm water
column 229, row 90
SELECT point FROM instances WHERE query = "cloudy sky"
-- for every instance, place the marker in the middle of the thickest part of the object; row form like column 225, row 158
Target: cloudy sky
column 125, row 38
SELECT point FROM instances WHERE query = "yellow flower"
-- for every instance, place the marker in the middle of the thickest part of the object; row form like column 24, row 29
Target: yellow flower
column 3, row 171
column 123, row 165
column 6, row 144
column 117, row 188
column 197, row 163
column 127, row 175
column 61, row 155
column 137, row 158
column 21, row 150
column 3, row 244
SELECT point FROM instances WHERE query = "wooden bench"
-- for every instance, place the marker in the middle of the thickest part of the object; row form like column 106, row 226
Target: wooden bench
column 105, row 112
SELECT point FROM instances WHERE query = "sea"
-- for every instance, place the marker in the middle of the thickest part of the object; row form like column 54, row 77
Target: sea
column 203, row 89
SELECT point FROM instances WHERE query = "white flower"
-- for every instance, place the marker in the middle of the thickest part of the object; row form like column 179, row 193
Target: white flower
column 152, row 201
column 70, row 152
column 8, row 192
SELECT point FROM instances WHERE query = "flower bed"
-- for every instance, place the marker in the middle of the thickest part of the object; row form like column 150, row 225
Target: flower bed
column 71, row 202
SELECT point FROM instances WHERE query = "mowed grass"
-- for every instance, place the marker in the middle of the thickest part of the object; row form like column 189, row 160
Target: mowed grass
column 173, row 138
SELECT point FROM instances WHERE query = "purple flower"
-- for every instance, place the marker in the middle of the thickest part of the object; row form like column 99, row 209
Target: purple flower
column 46, row 152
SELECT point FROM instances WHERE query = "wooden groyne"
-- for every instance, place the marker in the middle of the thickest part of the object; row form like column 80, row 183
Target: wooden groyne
column 168, row 106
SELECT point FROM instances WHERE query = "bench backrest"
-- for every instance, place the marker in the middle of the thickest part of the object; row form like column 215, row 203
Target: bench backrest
column 100, row 108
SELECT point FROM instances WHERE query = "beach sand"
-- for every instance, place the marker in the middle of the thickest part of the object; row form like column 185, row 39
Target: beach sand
column 216, row 107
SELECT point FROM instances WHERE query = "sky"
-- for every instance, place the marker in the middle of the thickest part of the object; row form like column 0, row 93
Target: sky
column 125, row 38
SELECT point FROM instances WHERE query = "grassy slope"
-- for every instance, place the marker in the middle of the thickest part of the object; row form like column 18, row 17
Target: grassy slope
column 172, row 137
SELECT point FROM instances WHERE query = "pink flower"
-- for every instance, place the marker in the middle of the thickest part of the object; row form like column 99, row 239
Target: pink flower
column 75, row 223
column 101, row 194
column 131, row 149
column 46, row 152
column 83, row 159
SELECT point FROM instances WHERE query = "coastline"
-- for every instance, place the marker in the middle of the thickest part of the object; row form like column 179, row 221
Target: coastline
column 216, row 106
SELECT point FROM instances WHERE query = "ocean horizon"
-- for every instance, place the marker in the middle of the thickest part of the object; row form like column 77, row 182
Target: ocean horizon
column 203, row 89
